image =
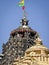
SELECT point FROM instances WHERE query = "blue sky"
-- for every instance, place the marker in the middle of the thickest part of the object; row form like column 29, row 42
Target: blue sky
column 37, row 13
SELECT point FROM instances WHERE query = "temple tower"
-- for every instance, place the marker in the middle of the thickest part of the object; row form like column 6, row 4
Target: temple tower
column 24, row 46
column 19, row 41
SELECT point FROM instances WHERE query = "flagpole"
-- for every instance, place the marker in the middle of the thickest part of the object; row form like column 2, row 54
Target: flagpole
column 24, row 12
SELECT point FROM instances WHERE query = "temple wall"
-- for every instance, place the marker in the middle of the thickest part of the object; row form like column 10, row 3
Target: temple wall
column 48, row 58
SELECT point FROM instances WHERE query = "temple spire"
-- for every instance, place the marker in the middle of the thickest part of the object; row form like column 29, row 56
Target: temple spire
column 24, row 21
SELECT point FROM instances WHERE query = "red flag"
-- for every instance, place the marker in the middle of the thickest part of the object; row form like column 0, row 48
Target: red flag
column 23, row 7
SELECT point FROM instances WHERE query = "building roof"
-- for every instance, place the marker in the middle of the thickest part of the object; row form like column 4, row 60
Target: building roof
column 37, row 47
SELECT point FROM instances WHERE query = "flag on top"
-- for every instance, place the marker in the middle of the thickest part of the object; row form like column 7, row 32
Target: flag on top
column 21, row 3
